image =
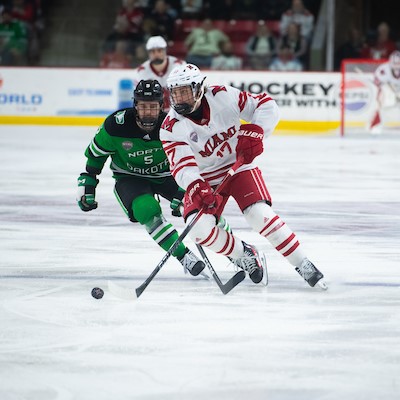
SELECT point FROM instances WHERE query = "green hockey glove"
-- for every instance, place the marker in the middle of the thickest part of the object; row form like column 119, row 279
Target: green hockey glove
column 86, row 191
column 176, row 203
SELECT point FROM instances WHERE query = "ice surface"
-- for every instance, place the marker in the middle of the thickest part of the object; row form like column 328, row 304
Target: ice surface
column 183, row 339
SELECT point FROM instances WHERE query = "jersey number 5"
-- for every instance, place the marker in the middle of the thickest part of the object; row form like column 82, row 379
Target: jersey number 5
column 148, row 159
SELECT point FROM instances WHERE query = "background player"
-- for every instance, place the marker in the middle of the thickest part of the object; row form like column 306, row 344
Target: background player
column 203, row 137
column 158, row 66
column 140, row 168
column 387, row 78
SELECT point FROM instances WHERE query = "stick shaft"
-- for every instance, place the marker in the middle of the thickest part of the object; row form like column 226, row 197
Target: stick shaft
column 140, row 289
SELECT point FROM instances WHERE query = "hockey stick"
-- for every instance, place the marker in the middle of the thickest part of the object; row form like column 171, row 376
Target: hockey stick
column 133, row 295
column 231, row 283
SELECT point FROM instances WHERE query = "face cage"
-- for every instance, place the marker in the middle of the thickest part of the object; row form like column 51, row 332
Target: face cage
column 148, row 123
column 396, row 71
column 186, row 108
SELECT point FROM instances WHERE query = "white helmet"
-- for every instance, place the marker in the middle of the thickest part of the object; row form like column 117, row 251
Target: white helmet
column 156, row 42
column 187, row 75
column 394, row 59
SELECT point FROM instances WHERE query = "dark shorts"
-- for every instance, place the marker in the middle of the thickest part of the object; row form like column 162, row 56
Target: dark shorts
column 128, row 188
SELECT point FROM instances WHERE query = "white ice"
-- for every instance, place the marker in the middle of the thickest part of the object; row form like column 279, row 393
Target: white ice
column 183, row 339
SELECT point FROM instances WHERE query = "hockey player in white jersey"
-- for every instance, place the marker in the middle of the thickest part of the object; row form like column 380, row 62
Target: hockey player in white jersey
column 158, row 66
column 387, row 78
column 203, row 137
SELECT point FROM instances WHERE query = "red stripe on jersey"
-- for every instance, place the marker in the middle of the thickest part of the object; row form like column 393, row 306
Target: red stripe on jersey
column 176, row 170
column 205, row 174
column 292, row 249
column 183, row 159
column 263, row 101
column 215, row 177
column 172, row 145
column 242, row 100
column 268, row 225
column 286, row 242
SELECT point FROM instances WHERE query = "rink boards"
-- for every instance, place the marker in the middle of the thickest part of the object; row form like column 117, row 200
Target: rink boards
column 77, row 96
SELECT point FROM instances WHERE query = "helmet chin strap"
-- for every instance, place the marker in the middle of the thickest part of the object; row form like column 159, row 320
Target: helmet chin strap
column 147, row 127
column 197, row 103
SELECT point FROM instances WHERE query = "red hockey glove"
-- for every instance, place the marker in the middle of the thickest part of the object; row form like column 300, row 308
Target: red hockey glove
column 250, row 142
column 201, row 195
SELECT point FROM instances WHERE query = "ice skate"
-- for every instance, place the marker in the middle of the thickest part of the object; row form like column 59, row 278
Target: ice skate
column 376, row 129
column 311, row 274
column 254, row 263
column 192, row 263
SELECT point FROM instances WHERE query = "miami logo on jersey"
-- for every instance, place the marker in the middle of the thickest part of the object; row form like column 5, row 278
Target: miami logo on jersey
column 169, row 123
column 216, row 140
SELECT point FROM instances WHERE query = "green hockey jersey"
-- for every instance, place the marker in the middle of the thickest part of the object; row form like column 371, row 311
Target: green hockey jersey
column 133, row 151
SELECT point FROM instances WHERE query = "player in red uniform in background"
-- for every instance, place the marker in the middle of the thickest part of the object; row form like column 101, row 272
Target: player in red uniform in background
column 203, row 137
column 158, row 66
column 387, row 78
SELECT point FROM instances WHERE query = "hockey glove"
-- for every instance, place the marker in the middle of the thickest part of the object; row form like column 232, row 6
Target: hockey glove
column 250, row 142
column 86, row 191
column 177, row 203
column 201, row 195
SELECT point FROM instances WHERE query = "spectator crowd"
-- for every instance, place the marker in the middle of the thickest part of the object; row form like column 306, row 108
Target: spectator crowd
column 221, row 35
column 205, row 42
column 21, row 25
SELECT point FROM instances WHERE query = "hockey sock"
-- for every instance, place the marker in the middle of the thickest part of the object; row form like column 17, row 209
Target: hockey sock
column 264, row 220
column 147, row 211
column 210, row 235
column 376, row 120
column 223, row 223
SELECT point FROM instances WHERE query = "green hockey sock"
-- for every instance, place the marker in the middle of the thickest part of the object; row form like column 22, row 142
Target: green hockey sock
column 147, row 211
column 165, row 235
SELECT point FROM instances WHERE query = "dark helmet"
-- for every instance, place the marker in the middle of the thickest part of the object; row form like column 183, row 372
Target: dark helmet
column 147, row 91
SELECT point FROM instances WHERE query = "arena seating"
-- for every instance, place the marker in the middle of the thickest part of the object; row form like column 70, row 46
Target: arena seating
column 238, row 31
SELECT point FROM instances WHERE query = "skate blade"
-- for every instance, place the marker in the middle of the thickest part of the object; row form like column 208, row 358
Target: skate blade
column 322, row 284
column 204, row 275
column 263, row 260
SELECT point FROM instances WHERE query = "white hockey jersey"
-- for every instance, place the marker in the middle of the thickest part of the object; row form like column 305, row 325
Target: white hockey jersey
column 206, row 150
column 146, row 71
column 383, row 75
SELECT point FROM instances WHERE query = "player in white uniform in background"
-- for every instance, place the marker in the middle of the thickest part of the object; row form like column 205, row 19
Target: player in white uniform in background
column 158, row 66
column 203, row 137
column 387, row 78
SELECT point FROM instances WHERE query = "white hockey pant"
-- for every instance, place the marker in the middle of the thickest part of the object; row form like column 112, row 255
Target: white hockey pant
column 208, row 234
column 263, row 219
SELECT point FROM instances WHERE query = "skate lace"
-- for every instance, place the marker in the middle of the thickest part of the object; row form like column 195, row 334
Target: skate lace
column 248, row 263
column 189, row 260
column 307, row 269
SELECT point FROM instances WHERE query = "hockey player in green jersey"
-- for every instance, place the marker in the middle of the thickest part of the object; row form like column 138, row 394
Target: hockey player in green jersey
column 140, row 168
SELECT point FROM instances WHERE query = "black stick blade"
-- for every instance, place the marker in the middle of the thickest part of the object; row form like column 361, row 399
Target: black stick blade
column 233, row 282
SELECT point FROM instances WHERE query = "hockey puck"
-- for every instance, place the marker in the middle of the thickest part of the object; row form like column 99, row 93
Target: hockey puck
column 97, row 293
